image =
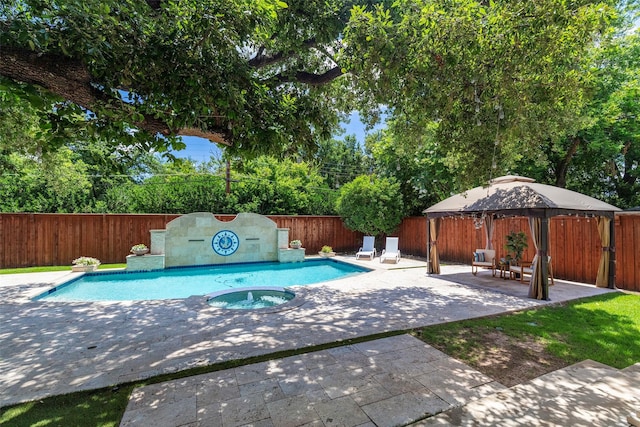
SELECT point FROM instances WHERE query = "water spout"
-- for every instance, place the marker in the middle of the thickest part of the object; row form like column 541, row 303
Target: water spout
column 249, row 297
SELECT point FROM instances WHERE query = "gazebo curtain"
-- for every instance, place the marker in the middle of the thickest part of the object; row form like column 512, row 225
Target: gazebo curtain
column 489, row 226
column 538, row 286
column 434, row 258
column 604, row 229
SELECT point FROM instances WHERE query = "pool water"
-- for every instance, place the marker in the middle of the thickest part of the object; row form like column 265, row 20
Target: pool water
column 185, row 282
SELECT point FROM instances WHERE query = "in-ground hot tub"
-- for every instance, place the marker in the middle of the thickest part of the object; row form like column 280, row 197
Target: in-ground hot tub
column 250, row 298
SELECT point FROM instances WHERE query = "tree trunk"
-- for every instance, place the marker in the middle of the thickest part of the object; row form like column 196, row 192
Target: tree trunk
column 563, row 166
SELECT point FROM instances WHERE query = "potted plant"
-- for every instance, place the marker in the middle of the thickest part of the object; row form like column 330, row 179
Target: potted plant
column 295, row 244
column 326, row 251
column 139, row 249
column 85, row 263
column 515, row 245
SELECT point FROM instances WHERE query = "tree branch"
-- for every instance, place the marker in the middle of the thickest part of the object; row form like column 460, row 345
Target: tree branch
column 563, row 166
column 61, row 75
column 71, row 80
column 154, row 4
column 262, row 60
column 211, row 136
column 309, row 78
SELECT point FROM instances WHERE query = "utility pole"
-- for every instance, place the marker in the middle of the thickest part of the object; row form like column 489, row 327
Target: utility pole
column 228, row 179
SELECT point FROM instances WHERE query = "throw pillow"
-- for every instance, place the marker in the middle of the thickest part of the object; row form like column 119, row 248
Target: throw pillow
column 480, row 256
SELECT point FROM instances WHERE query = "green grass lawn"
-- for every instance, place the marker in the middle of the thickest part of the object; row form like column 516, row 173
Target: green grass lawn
column 53, row 268
column 605, row 328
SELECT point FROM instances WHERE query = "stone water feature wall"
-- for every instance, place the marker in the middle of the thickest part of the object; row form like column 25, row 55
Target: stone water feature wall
column 201, row 239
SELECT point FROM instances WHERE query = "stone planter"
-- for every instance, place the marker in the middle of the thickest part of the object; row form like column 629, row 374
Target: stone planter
column 296, row 246
column 326, row 254
column 140, row 252
column 84, row 268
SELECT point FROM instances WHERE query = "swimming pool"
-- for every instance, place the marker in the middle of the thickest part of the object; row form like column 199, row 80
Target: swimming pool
column 185, row 282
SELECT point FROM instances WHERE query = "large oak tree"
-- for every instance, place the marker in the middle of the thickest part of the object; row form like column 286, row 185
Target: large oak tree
column 499, row 78
column 250, row 74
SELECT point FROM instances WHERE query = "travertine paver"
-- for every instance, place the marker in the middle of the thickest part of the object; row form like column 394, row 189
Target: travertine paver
column 342, row 411
column 404, row 408
column 49, row 348
column 321, row 388
column 587, row 394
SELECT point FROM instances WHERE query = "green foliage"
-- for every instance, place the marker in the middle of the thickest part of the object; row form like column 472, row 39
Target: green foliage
column 248, row 73
column 34, row 121
column 515, row 245
column 55, row 182
column 608, row 161
column 178, row 194
column 501, row 76
column 602, row 159
column 371, row 205
column 19, row 121
column 268, row 186
column 171, row 193
column 341, row 161
column 475, row 89
column 263, row 185
column 72, row 178
column 415, row 161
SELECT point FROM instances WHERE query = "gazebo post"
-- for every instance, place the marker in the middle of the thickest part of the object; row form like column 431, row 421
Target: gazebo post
column 611, row 282
column 542, row 256
column 429, row 270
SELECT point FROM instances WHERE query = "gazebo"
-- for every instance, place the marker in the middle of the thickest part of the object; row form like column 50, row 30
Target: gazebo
column 520, row 196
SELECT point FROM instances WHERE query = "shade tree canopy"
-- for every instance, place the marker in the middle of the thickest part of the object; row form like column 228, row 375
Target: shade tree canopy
column 602, row 159
column 250, row 74
column 415, row 160
column 498, row 78
column 479, row 86
column 341, row 160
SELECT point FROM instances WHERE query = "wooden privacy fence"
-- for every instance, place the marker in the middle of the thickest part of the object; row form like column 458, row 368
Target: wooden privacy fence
column 56, row 239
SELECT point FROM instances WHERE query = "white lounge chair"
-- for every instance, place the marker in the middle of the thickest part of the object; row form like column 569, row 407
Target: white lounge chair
column 368, row 248
column 391, row 251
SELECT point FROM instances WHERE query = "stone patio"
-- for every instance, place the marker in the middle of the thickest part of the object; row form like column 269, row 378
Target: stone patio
column 50, row 348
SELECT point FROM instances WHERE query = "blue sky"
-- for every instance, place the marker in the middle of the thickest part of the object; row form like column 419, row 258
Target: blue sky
column 201, row 150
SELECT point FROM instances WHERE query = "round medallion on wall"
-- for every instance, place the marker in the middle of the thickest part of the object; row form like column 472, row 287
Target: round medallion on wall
column 225, row 242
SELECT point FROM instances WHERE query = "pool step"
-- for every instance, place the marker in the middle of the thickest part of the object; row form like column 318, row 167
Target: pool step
column 585, row 394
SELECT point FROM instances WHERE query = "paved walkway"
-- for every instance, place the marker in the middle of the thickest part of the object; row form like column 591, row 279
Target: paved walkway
column 387, row 382
column 394, row 381
column 49, row 348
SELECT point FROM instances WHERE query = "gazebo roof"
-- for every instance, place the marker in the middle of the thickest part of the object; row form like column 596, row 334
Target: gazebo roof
column 520, row 196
